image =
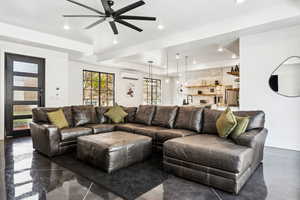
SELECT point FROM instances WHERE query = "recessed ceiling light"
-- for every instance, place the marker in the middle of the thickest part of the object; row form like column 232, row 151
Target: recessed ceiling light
column 115, row 41
column 220, row 49
column 67, row 27
column 239, row 1
column 160, row 27
column 234, row 56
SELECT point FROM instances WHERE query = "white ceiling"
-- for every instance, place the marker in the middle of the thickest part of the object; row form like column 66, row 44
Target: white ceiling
column 185, row 22
column 46, row 16
column 196, row 53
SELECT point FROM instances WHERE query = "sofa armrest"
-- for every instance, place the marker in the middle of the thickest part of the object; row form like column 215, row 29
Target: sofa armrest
column 252, row 138
column 45, row 138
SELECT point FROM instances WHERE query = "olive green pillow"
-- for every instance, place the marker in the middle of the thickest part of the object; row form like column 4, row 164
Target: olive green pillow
column 116, row 114
column 242, row 124
column 226, row 123
column 58, row 119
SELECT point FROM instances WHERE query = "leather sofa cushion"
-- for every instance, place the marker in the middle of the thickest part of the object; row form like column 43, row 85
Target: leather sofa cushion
column 189, row 118
column 167, row 134
column 165, row 116
column 39, row 115
column 140, row 129
column 101, row 128
column 210, row 118
column 145, row 114
column 129, row 127
column 131, row 111
column 257, row 119
column 210, row 151
column 84, row 115
column 68, row 134
column 157, row 133
column 102, row 119
column 254, row 138
column 150, row 131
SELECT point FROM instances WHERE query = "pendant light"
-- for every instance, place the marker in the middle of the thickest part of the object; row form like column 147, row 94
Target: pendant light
column 235, row 50
column 150, row 70
column 177, row 63
column 167, row 79
column 186, row 68
column 150, row 81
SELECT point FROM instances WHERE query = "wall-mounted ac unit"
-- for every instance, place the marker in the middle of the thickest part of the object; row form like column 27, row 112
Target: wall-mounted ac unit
column 129, row 76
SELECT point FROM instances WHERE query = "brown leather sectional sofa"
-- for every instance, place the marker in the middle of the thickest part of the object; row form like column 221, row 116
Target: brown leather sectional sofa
column 188, row 135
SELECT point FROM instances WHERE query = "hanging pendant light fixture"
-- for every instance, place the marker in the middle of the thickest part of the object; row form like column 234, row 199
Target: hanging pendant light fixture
column 150, row 62
column 235, row 51
column 150, row 81
column 167, row 79
column 177, row 63
column 150, row 70
column 186, row 68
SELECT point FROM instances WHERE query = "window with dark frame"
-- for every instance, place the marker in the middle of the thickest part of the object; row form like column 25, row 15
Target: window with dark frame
column 152, row 91
column 98, row 88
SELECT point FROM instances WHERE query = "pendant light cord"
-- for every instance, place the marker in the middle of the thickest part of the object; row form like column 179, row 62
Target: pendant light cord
column 167, row 63
column 186, row 66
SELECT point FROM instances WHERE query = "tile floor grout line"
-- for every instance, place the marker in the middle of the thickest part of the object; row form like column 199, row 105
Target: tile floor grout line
column 217, row 195
column 88, row 191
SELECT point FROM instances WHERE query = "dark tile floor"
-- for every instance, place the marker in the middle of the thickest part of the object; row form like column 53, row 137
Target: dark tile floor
column 25, row 174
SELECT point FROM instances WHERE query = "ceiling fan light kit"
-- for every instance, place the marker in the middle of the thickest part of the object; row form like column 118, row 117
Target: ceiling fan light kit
column 112, row 16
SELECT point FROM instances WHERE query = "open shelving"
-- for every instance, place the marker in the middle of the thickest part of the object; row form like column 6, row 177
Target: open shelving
column 202, row 86
column 237, row 74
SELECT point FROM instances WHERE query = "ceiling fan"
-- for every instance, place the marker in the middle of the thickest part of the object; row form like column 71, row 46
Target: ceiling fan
column 112, row 16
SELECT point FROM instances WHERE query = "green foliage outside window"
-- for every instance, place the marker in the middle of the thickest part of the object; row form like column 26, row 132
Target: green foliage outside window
column 98, row 88
column 152, row 91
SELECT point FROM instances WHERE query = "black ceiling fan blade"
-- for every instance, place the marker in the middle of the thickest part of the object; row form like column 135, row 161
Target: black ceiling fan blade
column 83, row 16
column 95, row 23
column 129, row 7
column 137, row 18
column 85, row 6
column 114, row 27
column 106, row 7
column 129, row 25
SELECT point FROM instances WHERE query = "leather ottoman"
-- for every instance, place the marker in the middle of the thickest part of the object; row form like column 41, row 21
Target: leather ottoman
column 114, row 150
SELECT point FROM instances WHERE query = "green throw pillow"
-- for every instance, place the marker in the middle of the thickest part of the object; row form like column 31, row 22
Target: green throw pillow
column 242, row 123
column 58, row 119
column 116, row 114
column 226, row 123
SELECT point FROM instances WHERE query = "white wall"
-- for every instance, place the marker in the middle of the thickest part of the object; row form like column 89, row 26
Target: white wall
column 56, row 74
column 260, row 55
column 76, row 92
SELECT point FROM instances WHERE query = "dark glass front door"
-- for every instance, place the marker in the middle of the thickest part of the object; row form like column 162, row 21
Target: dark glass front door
column 25, row 89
